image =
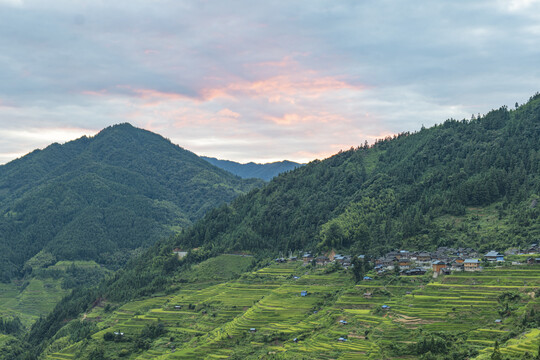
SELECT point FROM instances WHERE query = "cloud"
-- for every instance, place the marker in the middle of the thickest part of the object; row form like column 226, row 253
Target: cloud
column 11, row 2
column 260, row 80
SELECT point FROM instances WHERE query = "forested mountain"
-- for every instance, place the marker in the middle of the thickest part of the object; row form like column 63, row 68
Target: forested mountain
column 395, row 193
column 414, row 191
column 99, row 198
column 253, row 170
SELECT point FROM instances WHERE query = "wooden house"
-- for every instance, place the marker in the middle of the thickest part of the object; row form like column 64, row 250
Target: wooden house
column 438, row 266
column 471, row 264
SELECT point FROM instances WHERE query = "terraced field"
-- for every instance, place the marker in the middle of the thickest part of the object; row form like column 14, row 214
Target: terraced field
column 262, row 314
column 31, row 300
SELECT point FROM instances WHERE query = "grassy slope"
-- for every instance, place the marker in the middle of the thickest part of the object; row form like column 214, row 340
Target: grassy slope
column 38, row 295
column 215, row 317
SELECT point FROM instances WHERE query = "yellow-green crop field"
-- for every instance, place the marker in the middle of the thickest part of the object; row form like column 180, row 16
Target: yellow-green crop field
column 262, row 314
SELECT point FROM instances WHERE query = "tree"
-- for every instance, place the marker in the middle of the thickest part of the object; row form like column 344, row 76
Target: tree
column 358, row 268
column 496, row 355
column 396, row 268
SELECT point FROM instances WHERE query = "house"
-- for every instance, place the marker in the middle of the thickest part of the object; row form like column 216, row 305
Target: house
column 368, row 295
column 386, row 262
column 344, row 260
column 492, row 255
column 385, row 307
column 343, row 322
column 531, row 261
column 438, row 266
column 498, row 321
column 177, row 307
column 471, row 264
column 403, row 254
column 280, row 260
column 252, row 330
column 338, row 257
column 322, row 260
column 457, row 265
column 303, row 293
column 179, row 252
column 367, row 278
column 342, row 339
column 404, row 264
column 500, row 258
column 307, row 257
column 415, row 271
column 295, row 340
column 423, row 257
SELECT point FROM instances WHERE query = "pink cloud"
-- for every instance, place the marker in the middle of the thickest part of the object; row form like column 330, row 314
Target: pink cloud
column 228, row 113
column 310, row 117
column 102, row 92
column 281, row 88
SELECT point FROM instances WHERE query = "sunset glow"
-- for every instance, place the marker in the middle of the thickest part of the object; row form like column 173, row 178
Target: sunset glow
column 258, row 81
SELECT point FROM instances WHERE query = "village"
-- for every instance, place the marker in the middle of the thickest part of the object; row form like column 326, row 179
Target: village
column 441, row 261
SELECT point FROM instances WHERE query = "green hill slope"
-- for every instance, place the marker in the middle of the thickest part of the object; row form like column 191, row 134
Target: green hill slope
column 100, row 198
column 204, row 319
column 390, row 195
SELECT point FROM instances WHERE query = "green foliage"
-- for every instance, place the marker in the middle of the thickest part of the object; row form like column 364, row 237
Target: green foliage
column 101, row 198
column 10, row 326
column 152, row 331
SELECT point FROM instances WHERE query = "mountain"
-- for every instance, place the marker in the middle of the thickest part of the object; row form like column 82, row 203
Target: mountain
column 253, row 170
column 467, row 183
column 99, row 198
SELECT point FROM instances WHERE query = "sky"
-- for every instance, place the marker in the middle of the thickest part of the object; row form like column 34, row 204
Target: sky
column 258, row 80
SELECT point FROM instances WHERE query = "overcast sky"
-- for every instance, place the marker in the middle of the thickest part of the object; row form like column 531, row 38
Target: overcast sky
column 258, row 80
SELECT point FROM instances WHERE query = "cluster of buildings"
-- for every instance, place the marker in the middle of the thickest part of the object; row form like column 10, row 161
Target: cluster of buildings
column 442, row 260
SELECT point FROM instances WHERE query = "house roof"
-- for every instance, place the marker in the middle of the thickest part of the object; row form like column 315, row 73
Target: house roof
column 471, row 261
column 492, row 253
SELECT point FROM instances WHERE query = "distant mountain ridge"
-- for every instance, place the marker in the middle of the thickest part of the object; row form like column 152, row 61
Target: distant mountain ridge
column 253, row 170
column 98, row 198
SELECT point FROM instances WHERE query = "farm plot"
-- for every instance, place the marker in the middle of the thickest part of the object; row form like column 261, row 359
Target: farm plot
column 309, row 313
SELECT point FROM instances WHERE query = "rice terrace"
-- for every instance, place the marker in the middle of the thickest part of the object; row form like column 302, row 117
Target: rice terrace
column 290, row 311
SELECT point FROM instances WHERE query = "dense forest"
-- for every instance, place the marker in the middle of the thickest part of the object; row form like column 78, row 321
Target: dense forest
column 413, row 190
column 394, row 193
column 100, row 198
column 253, row 170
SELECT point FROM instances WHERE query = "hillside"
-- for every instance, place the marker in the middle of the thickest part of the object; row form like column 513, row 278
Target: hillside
column 102, row 197
column 405, row 191
column 252, row 170
column 461, row 183
column 262, row 315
